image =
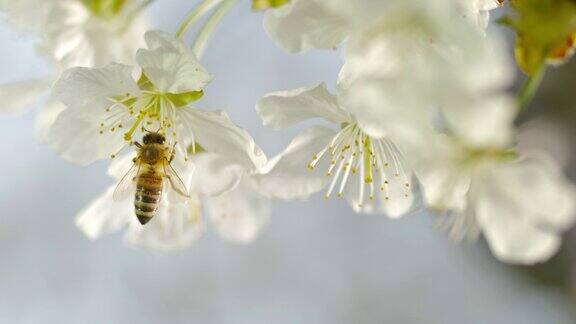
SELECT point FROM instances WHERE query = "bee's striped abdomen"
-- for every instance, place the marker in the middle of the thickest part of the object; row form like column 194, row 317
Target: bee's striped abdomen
column 148, row 195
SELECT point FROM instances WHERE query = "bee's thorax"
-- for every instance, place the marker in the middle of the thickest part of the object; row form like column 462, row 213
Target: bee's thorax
column 151, row 153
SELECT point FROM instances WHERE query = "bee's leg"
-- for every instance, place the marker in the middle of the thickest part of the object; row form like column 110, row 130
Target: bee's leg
column 172, row 152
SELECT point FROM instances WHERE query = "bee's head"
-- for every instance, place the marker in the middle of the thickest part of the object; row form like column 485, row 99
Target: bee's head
column 154, row 138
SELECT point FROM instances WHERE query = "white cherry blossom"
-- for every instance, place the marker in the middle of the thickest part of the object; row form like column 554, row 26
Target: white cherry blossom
column 471, row 173
column 80, row 33
column 368, row 171
column 520, row 203
column 107, row 108
column 235, row 208
column 300, row 25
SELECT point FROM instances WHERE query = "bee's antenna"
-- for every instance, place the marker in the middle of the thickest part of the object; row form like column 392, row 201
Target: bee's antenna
column 146, row 130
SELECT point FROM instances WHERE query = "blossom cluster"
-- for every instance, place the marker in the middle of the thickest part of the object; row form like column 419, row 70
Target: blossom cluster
column 420, row 115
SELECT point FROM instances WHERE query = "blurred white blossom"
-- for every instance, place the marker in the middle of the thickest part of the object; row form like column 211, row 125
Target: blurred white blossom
column 520, row 203
column 461, row 147
column 436, row 86
column 300, row 25
column 70, row 33
column 80, row 33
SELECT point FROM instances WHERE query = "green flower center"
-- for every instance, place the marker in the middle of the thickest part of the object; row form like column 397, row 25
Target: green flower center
column 105, row 9
column 150, row 107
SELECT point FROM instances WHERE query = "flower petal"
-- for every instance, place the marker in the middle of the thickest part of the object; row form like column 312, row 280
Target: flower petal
column 522, row 208
column 444, row 182
column 486, row 123
column 104, row 216
column 27, row 15
column 387, row 108
column 91, row 88
column 512, row 237
column 215, row 174
column 87, row 94
column 286, row 108
column 18, row 96
column 74, row 37
column 46, row 117
column 287, row 175
column 75, row 135
column 240, row 214
column 216, row 133
column 538, row 185
column 176, row 227
column 304, row 24
column 170, row 65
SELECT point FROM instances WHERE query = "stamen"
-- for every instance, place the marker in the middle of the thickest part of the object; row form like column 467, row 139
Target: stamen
column 348, row 167
column 112, row 156
column 335, row 179
column 351, row 152
column 361, row 182
column 141, row 116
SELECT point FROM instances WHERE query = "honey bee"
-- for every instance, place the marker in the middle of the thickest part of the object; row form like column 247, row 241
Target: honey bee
column 152, row 166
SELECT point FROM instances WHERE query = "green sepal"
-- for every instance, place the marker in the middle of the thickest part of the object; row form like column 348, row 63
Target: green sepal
column 178, row 99
column 145, row 84
column 183, row 99
column 543, row 27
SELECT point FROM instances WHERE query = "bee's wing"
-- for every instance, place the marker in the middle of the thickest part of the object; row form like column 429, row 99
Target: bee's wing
column 126, row 186
column 175, row 182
